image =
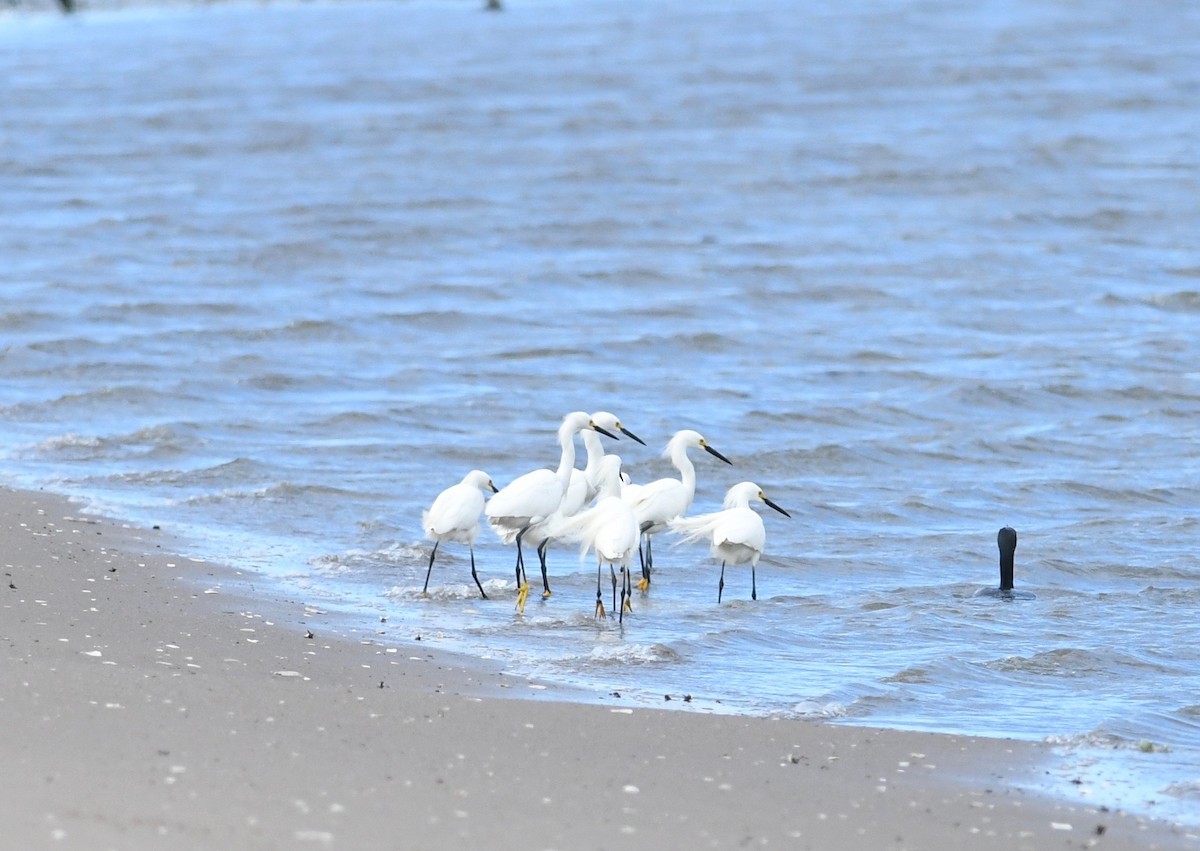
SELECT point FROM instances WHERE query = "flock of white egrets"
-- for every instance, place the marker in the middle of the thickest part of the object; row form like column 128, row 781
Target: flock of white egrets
column 601, row 509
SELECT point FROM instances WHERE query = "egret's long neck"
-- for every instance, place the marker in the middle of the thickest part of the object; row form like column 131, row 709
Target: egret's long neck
column 609, row 486
column 595, row 451
column 566, row 439
column 687, row 471
column 1006, row 569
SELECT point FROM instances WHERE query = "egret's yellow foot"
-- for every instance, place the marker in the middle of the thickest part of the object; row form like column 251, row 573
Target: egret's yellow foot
column 600, row 613
column 643, row 585
column 522, row 593
column 546, row 594
column 627, row 606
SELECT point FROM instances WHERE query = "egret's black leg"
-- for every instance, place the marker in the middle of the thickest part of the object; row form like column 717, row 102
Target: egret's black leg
column 542, row 556
column 430, row 568
column 643, row 584
column 753, row 587
column 522, row 582
column 520, row 559
column 721, row 584
column 474, row 575
column 647, row 563
column 613, row 571
column 599, row 595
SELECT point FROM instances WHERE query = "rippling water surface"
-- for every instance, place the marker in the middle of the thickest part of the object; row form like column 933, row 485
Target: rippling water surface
column 274, row 275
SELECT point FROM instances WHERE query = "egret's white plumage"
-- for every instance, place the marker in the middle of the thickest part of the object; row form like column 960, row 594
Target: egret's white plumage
column 583, row 486
column 658, row 502
column 736, row 534
column 454, row 516
column 585, row 483
column 609, row 527
column 530, row 499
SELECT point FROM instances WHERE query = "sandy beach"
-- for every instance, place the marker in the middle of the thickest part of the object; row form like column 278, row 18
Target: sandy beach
column 151, row 700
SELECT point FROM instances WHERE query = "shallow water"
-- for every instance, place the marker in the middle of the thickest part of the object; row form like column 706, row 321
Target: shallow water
column 274, row 275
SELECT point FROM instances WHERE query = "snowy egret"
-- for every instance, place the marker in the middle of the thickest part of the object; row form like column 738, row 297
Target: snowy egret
column 610, row 527
column 454, row 516
column 662, row 500
column 582, row 488
column 529, row 499
column 585, row 483
column 1006, row 540
column 736, row 533
column 580, row 491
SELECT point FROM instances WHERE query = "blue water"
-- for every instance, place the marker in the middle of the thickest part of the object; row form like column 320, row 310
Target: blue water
column 274, row 275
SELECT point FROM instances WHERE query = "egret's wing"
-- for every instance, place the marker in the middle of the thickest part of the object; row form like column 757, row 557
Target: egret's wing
column 456, row 508
column 534, row 494
column 617, row 538
column 741, row 526
column 662, row 497
column 698, row 528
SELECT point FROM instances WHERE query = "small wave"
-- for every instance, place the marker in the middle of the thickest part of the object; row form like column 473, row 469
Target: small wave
column 987, row 396
column 394, row 554
column 290, row 492
column 1184, row 301
column 15, row 320
column 1074, row 662
column 1185, row 789
column 69, row 347
column 450, row 591
column 300, row 329
column 239, row 469
column 832, row 456
column 436, row 320
column 1153, row 496
column 704, row 341
column 910, row 675
column 1106, row 741
column 634, row 654
column 816, row 709
column 1064, row 662
column 461, row 203
column 122, row 311
column 351, row 419
column 149, row 441
column 232, row 481
column 123, row 396
column 542, row 353
column 276, row 381
column 1186, row 597
column 643, row 276
column 69, row 443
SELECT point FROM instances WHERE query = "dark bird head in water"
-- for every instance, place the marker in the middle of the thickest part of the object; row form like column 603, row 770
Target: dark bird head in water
column 1006, row 539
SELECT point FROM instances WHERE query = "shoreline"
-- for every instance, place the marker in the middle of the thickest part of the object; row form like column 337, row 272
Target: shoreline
column 150, row 696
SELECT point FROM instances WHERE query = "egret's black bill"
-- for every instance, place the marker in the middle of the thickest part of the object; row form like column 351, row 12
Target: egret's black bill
column 776, row 507
column 605, row 432
column 631, row 435
column 712, row 451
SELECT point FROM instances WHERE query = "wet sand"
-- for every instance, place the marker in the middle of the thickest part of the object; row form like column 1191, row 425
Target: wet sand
column 150, row 700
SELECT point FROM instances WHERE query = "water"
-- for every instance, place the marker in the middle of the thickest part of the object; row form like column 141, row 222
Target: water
column 274, row 275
